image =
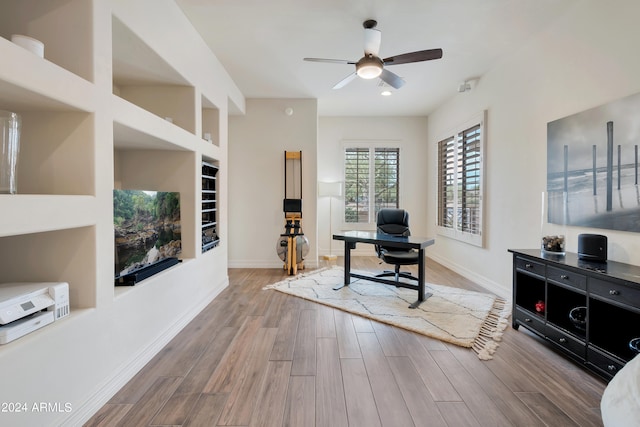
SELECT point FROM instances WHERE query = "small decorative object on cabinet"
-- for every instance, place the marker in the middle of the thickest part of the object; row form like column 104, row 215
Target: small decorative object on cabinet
column 589, row 311
column 210, row 238
column 553, row 244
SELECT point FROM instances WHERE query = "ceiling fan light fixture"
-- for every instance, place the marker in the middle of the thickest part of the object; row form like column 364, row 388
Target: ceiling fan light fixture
column 369, row 71
column 369, row 67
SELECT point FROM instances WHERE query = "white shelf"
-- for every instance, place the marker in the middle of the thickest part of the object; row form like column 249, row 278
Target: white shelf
column 25, row 214
column 31, row 83
column 208, row 149
column 137, row 128
column 149, row 284
column 76, row 315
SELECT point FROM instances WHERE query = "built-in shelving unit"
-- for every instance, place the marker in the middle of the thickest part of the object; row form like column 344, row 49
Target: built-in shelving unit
column 48, row 228
column 113, row 104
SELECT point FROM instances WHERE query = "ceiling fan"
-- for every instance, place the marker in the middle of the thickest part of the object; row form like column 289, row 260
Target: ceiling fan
column 371, row 65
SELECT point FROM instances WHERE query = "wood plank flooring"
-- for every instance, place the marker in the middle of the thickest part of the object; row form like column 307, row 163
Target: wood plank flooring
column 258, row 357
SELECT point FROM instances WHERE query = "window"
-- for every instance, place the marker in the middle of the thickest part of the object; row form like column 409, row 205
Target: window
column 371, row 177
column 460, row 185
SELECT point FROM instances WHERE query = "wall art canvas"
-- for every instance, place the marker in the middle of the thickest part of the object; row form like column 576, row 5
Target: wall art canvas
column 592, row 167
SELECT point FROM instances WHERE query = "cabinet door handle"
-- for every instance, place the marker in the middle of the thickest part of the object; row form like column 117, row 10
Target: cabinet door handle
column 528, row 265
column 562, row 340
column 564, row 277
column 527, row 319
column 611, row 368
column 614, row 292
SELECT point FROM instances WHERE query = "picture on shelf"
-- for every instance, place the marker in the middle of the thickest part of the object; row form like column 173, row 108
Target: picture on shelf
column 147, row 228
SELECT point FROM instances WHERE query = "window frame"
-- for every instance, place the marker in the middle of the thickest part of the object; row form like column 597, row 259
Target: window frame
column 455, row 231
column 371, row 146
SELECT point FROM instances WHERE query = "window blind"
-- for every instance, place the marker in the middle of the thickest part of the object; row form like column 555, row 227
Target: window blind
column 459, row 191
column 371, row 176
column 356, row 179
column 469, row 196
column 446, row 181
column 387, row 168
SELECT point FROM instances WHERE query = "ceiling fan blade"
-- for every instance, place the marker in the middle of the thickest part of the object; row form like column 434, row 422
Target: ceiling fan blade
column 333, row 61
column 421, row 55
column 372, row 38
column 345, row 81
column 392, row 79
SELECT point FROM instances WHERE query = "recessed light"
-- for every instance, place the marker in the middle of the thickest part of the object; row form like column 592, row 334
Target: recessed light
column 385, row 93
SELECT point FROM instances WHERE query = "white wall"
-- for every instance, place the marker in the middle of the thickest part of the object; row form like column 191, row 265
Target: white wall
column 257, row 142
column 409, row 132
column 583, row 60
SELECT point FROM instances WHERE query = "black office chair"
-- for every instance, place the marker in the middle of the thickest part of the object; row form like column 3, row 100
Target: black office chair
column 396, row 223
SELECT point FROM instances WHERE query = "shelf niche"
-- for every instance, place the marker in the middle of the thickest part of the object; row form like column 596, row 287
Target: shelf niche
column 53, row 256
column 172, row 103
column 63, row 26
column 210, row 122
column 145, row 79
column 56, row 153
column 162, row 170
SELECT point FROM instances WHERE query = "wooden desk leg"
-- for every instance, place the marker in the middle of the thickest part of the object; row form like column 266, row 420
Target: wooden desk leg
column 421, row 279
column 347, row 265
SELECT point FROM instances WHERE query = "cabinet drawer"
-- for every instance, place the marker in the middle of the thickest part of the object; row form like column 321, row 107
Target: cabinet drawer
column 565, row 277
column 605, row 363
column 614, row 292
column 530, row 266
column 566, row 341
column 529, row 320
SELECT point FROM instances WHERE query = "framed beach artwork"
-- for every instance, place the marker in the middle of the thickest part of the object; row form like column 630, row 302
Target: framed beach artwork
column 592, row 167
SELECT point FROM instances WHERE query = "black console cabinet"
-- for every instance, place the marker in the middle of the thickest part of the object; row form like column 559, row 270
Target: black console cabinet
column 589, row 311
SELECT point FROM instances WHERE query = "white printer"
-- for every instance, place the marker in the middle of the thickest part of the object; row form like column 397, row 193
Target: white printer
column 26, row 307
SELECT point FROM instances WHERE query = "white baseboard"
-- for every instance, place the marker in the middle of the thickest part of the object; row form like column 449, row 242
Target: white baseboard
column 108, row 388
column 489, row 285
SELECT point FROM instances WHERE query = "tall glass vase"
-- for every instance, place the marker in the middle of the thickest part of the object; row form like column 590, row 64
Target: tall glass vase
column 9, row 150
column 553, row 238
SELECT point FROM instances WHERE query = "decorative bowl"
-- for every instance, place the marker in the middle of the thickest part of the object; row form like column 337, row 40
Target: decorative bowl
column 578, row 317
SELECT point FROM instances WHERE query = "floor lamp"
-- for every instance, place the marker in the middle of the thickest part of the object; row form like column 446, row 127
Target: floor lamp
column 331, row 190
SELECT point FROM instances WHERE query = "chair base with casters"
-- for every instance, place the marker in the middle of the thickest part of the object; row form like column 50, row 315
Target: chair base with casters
column 398, row 259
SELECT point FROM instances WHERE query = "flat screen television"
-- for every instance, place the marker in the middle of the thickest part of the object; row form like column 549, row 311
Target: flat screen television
column 147, row 233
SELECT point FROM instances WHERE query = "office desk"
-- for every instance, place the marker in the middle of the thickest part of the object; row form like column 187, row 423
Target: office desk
column 350, row 239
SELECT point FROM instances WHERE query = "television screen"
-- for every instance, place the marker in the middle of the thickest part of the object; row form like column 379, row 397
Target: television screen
column 147, row 228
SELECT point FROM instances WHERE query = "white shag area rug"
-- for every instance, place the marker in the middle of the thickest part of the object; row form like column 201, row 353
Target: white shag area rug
column 466, row 318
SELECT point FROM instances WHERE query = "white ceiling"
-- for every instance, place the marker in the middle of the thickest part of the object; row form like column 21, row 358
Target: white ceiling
column 261, row 44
